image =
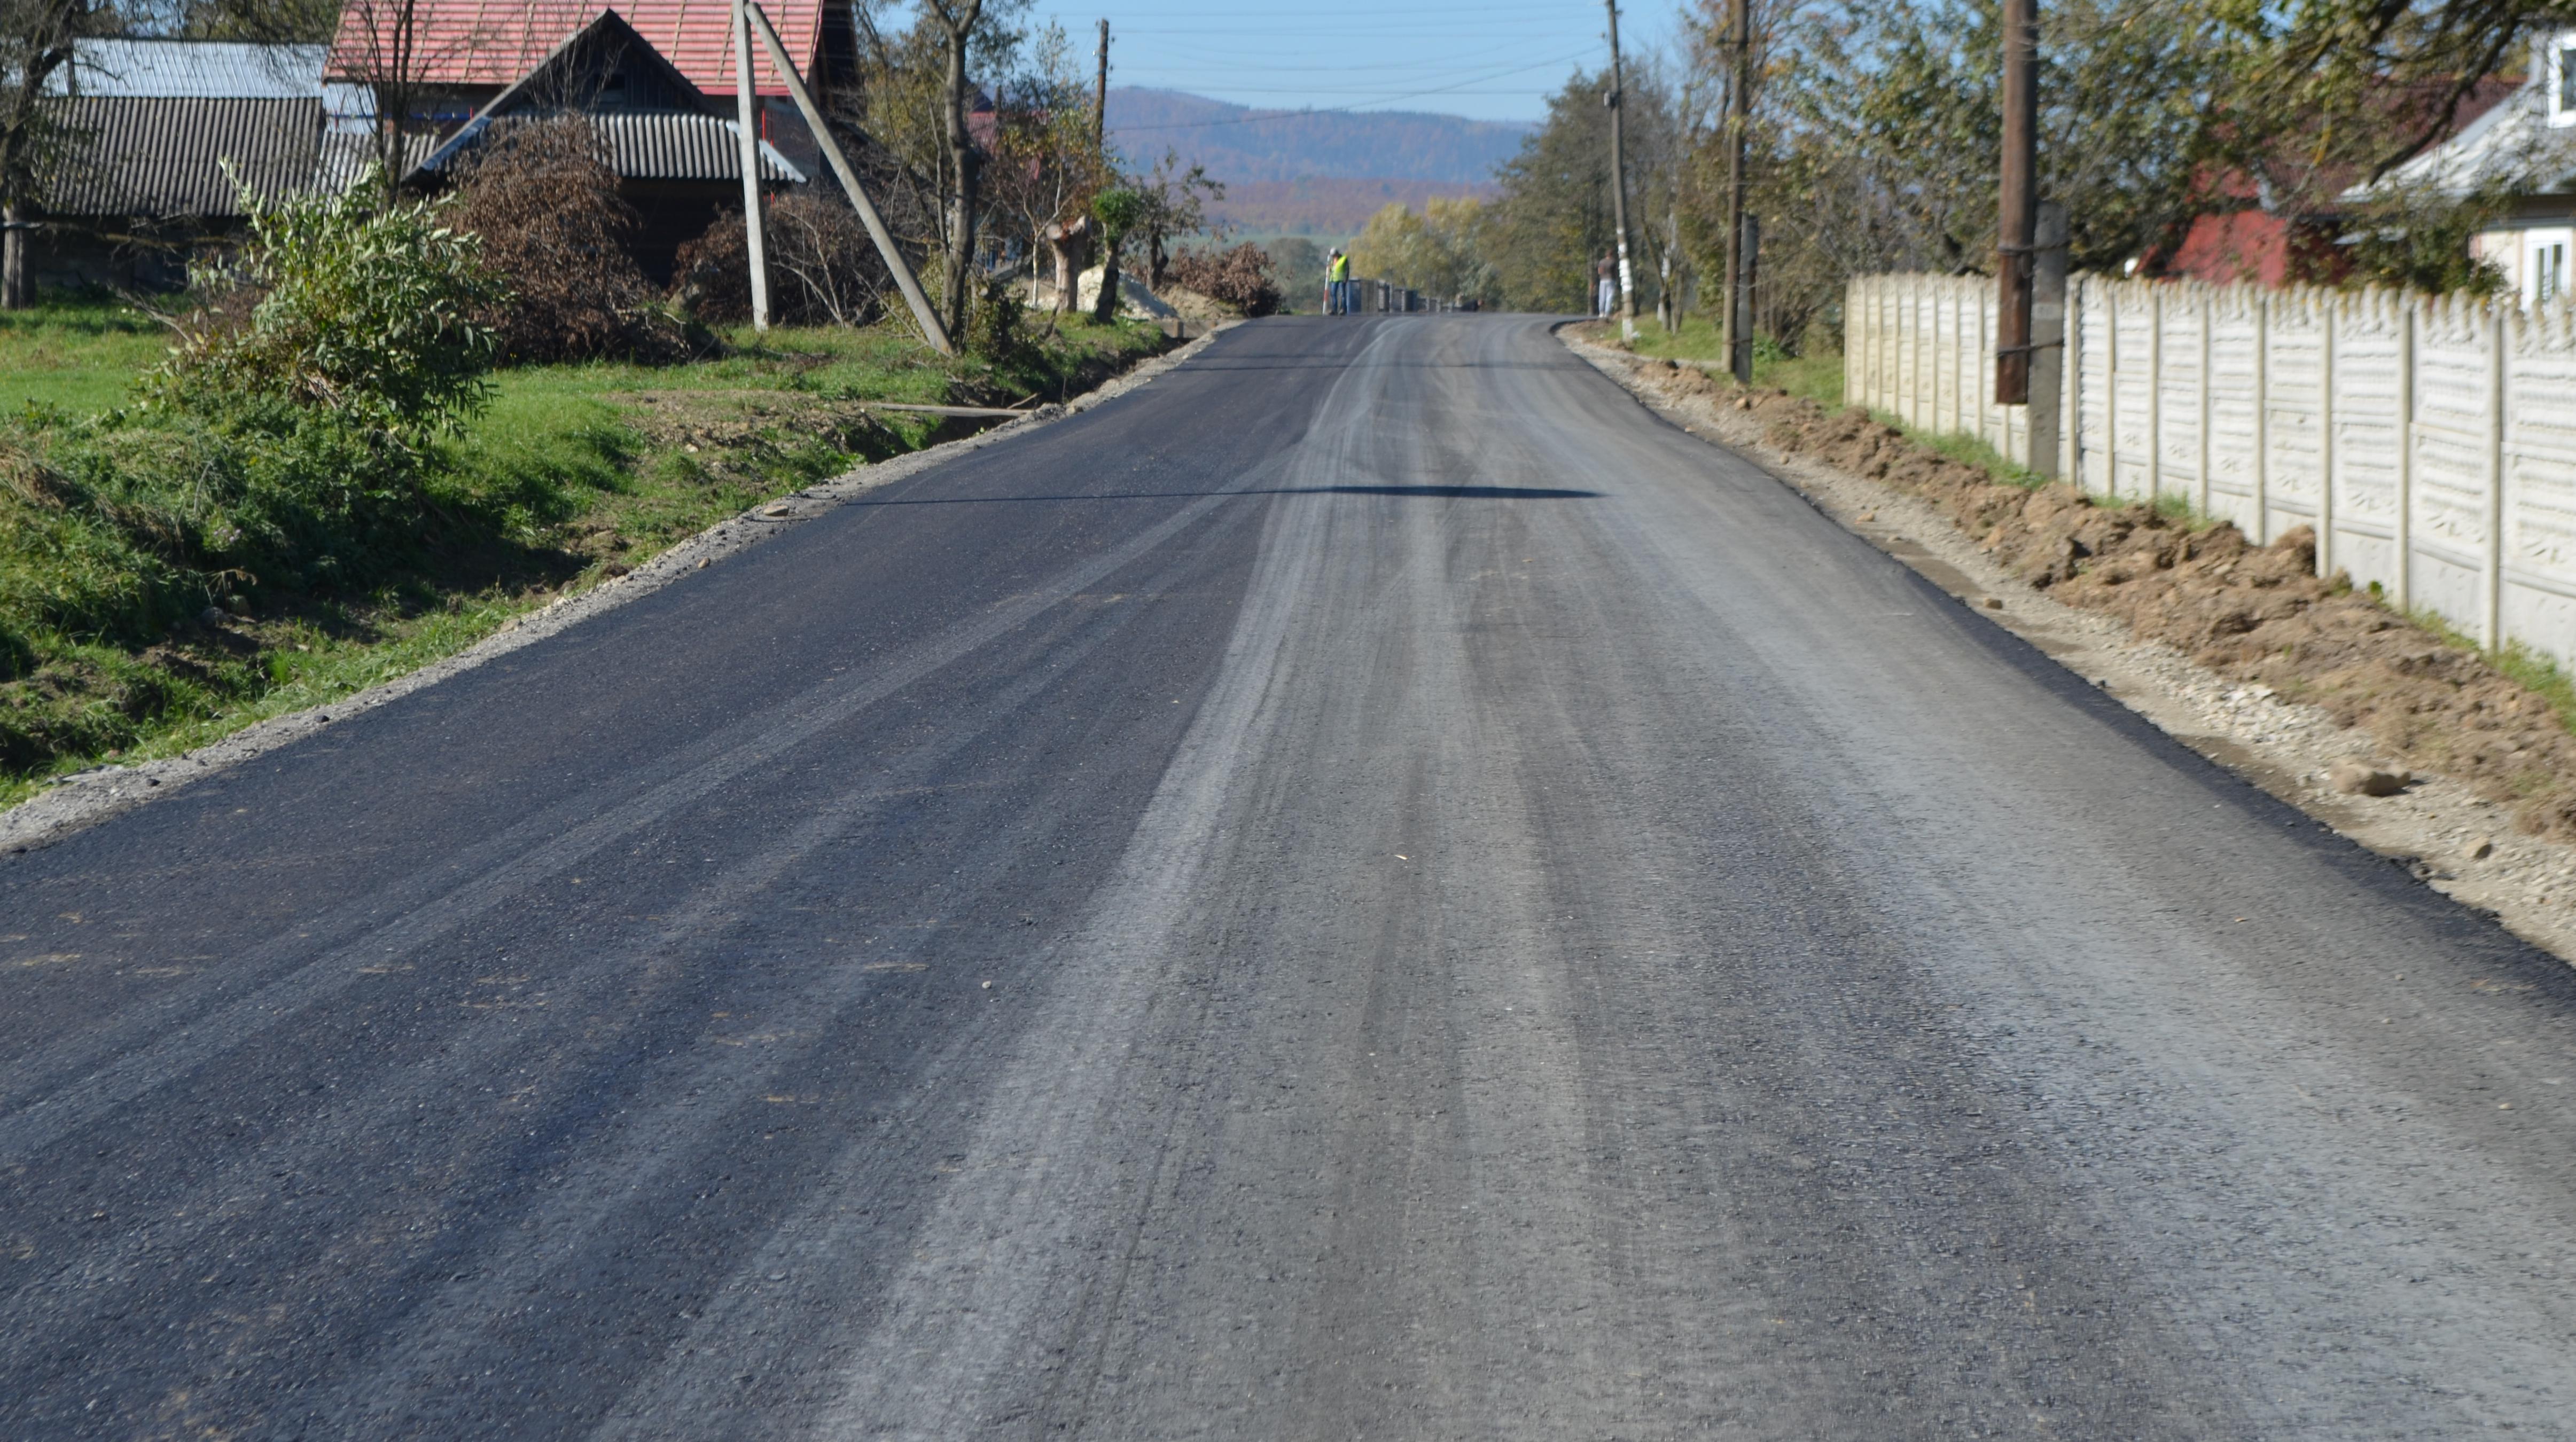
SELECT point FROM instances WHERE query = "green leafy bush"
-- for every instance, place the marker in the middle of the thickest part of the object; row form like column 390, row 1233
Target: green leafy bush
column 367, row 309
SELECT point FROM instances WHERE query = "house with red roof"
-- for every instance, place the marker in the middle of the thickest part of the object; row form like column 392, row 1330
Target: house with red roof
column 445, row 60
column 2281, row 225
column 655, row 79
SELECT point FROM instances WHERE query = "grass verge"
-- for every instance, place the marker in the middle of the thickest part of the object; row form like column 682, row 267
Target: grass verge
column 1817, row 376
column 120, row 640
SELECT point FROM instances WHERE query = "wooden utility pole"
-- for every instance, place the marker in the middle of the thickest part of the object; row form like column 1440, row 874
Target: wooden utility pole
column 1737, row 329
column 1619, row 183
column 2019, row 192
column 1100, row 99
column 748, row 122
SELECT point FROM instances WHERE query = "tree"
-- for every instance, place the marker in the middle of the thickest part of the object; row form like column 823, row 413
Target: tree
column 36, row 39
column 915, row 131
column 2332, row 65
column 1553, row 217
column 1116, row 211
column 1175, row 206
column 270, row 22
column 1877, row 132
column 1047, row 163
column 1436, row 252
column 958, row 19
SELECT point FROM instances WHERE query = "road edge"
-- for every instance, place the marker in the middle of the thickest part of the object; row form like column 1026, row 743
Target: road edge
column 2450, row 838
column 87, row 798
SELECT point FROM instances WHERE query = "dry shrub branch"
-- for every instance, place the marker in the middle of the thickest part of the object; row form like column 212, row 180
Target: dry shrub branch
column 543, row 199
column 823, row 268
column 1240, row 278
column 2253, row 613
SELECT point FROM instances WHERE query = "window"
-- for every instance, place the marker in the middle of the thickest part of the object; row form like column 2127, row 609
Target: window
column 2548, row 272
column 2562, row 80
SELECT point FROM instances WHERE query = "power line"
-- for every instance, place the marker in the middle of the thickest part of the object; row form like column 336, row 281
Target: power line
column 1354, row 105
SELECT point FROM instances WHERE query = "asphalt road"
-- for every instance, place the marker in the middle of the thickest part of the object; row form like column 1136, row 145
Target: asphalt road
column 1366, row 889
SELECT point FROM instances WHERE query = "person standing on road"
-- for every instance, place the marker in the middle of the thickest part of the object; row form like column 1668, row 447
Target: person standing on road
column 1606, row 293
column 1337, row 284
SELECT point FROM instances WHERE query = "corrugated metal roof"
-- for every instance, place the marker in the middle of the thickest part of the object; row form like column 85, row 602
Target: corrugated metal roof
column 163, row 156
column 2514, row 143
column 652, row 145
column 494, row 42
column 189, row 69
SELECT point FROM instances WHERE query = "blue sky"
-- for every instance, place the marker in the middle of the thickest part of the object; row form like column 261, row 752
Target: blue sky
column 1495, row 60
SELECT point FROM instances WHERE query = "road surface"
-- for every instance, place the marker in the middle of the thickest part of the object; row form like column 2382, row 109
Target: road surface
column 1367, row 889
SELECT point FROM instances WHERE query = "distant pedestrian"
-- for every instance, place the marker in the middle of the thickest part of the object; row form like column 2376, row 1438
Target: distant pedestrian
column 1606, row 294
column 1337, row 284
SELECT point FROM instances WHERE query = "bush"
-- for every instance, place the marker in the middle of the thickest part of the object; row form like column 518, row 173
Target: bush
column 544, row 204
column 368, row 310
column 1240, row 277
column 823, row 267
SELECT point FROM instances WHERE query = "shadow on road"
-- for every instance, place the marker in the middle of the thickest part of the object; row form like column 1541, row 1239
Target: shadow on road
column 1436, row 493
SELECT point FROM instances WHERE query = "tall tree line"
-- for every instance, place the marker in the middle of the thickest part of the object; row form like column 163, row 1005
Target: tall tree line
column 1876, row 130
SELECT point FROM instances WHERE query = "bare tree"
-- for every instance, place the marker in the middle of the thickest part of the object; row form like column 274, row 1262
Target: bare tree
column 1175, row 208
column 385, row 56
column 958, row 20
column 36, row 38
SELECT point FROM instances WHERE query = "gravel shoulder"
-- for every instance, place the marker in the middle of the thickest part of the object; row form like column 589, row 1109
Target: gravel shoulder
column 2453, row 839
column 87, row 798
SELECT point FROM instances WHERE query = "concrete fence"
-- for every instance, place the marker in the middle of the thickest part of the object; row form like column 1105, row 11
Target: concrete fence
column 2431, row 441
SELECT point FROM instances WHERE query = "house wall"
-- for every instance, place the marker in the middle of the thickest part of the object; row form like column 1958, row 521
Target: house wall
column 2429, row 441
column 2535, row 247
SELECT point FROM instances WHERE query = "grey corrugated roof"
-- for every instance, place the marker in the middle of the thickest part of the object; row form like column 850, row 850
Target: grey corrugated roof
column 164, row 156
column 652, row 145
column 189, row 70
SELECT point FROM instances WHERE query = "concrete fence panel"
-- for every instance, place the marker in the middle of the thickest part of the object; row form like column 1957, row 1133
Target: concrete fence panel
column 2539, row 465
column 2232, row 454
column 2430, row 442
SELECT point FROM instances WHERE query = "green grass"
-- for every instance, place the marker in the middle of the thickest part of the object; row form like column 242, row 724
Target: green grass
column 2519, row 664
column 571, row 474
column 1817, row 377
column 79, row 352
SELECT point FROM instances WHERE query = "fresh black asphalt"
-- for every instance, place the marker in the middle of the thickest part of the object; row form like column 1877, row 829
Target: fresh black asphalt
column 1367, row 888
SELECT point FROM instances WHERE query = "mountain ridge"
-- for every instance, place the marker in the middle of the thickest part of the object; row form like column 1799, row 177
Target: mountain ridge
column 1238, row 143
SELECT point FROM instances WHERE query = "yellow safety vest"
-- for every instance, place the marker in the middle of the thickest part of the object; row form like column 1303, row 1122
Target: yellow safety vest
column 1341, row 268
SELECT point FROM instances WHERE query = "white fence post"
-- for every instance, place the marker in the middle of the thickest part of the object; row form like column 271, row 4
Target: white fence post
column 2070, row 388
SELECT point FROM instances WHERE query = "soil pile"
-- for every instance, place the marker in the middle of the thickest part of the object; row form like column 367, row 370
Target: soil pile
column 2253, row 613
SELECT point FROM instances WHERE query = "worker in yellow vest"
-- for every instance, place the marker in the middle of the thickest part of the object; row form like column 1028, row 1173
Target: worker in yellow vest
column 1337, row 284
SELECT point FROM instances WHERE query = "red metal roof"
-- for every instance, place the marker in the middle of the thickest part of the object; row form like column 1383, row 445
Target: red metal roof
column 494, row 42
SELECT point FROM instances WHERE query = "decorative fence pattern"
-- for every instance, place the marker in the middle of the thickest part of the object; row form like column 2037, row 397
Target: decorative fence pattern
column 2431, row 441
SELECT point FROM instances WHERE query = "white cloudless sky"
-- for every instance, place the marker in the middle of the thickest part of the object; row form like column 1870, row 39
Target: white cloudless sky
column 1489, row 59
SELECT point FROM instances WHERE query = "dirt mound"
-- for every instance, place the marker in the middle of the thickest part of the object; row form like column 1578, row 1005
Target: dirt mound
column 2254, row 613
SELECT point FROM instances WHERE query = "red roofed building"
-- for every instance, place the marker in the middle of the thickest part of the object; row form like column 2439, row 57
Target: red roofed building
column 446, row 59
column 2252, row 235
column 486, row 44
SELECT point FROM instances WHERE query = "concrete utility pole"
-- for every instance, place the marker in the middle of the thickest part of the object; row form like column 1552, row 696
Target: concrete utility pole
column 1737, row 323
column 748, row 122
column 1619, row 183
column 2014, row 236
column 1100, row 98
column 896, row 265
